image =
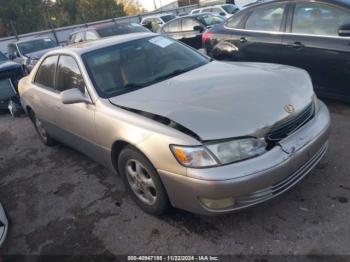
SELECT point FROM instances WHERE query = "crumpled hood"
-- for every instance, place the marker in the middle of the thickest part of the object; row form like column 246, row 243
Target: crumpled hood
column 225, row 100
column 38, row 54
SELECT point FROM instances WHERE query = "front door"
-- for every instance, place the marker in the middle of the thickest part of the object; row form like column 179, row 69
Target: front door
column 312, row 42
column 191, row 33
column 76, row 121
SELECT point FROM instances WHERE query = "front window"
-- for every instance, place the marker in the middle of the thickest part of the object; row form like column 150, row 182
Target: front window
column 69, row 75
column 267, row 18
column 46, row 73
column 2, row 57
column 121, row 29
column 318, row 19
column 209, row 19
column 230, row 9
column 36, row 45
column 136, row 64
column 167, row 18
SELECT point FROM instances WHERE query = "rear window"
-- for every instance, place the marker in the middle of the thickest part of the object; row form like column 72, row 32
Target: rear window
column 36, row 45
column 167, row 18
column 121, row 29
column 231, row 9
column 209, row 19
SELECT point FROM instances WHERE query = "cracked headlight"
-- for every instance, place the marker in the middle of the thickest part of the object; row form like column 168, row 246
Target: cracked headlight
column 219, row 153
column 237, row 150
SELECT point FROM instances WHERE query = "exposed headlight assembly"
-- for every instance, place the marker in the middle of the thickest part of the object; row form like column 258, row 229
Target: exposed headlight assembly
column 215, row 154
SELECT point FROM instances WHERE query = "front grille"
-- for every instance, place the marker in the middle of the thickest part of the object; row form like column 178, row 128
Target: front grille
column 282, row 130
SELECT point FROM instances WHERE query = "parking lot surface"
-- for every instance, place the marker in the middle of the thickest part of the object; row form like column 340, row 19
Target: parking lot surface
column 60, row 202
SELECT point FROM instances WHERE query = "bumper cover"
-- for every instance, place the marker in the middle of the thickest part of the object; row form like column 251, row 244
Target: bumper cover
column 256, row 180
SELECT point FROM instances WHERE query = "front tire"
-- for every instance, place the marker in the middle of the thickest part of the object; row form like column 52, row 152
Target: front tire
column 142, row 181
column 40, row 129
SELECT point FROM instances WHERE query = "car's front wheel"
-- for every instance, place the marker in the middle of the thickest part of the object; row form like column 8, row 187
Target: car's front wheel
column 40, row 129
column 142, row 181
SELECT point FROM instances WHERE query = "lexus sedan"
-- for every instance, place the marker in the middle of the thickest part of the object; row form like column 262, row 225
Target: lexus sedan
column 181, row 130
column 313, row 35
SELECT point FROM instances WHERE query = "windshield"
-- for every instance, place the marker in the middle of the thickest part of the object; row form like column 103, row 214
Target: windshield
column 36, row 45
column 2, row 57
column 167, row 18
column 136, row 64
column 210, row 19
column 121, row 29
column 231, row 9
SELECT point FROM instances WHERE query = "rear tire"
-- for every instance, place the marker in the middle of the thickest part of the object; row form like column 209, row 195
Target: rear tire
column 142, row 181
column 43, row 134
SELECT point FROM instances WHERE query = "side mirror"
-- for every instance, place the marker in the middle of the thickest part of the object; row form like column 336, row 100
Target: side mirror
column 74, row 96
column 222, row 14
column 199, row 28
column 344, row 30
column 12, row 56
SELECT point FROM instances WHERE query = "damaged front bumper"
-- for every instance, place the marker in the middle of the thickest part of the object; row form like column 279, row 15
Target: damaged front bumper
column 247, row 183
column 3, row 225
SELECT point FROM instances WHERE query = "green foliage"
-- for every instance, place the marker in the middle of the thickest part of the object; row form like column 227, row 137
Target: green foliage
column 26, row 16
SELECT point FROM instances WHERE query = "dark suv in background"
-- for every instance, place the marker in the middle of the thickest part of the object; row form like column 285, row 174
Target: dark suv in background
column 105, row 30
column 10, row 74
column 313, row 35
column 27, row 52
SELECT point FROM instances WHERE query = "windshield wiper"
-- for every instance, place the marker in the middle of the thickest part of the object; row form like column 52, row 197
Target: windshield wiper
column 133, row 85
column 170, row 75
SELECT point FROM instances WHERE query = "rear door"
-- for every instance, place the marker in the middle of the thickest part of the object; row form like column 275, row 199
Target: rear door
column 173, row 29
column 190, row 36
column 76, row 121
column 312, row 42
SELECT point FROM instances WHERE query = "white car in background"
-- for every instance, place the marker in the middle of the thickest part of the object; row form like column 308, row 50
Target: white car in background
column 226, row 10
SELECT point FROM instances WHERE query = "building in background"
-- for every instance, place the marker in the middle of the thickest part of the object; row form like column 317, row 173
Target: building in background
column 187, row 2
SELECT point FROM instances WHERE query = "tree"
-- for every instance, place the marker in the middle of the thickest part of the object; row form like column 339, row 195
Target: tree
column 35, row 15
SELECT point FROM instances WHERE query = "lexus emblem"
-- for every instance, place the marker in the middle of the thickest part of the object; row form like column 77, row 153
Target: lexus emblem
column 289, row 109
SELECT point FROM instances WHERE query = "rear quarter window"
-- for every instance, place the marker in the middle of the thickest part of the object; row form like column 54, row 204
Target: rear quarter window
column 236, row 20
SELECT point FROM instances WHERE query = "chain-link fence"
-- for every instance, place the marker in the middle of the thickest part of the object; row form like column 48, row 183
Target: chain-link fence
column 61, row 34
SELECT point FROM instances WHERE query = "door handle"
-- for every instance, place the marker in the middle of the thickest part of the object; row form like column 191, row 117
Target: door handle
column 297, row 45
column 243, row 39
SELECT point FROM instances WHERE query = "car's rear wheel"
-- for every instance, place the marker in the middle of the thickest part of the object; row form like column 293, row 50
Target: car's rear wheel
column 42, row 132
column 142, row 181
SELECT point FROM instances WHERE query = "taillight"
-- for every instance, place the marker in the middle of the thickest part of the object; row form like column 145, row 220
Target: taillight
column 207, row 36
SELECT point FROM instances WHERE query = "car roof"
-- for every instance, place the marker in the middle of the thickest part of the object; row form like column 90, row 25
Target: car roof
column 196, row 15
column 342, row 3
column 101, row 26
column 157, row 15
column 85, row 47
column 31, row 39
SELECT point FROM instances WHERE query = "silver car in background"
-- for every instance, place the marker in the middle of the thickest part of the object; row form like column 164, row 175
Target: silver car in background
column 181, row 130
